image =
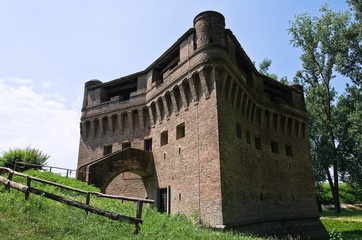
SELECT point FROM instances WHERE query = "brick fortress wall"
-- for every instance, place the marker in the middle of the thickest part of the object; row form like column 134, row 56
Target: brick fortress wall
column 227, row 142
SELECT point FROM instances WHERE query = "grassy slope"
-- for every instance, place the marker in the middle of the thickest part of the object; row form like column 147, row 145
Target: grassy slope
column 41, row 218
column 346, row 194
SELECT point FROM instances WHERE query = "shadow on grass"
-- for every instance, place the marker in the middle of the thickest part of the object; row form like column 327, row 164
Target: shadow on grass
column 344, row 213
column 354, row 234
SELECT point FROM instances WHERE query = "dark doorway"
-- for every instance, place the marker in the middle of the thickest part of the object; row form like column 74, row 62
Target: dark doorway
column 163, row 200
column 148, row 144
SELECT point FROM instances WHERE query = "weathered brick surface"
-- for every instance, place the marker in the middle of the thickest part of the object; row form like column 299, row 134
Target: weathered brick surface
column 244, row 159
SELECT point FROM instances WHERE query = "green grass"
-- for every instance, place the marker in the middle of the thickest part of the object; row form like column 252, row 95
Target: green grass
column 348, row 223
column 42, row 218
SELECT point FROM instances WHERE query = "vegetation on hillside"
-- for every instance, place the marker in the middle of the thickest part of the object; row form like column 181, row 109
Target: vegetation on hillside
column 27, row 155
column 347, row 194
column 42, row 218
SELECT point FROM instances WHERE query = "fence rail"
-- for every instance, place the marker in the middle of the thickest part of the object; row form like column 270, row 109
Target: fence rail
column 27, row 189
column 69, row 171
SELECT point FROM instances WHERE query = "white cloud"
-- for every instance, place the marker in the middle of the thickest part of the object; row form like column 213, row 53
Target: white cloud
column 46, row 85
column 20, row 80
column 38, row 119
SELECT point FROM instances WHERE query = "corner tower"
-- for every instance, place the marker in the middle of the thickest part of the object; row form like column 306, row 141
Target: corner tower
column 209, row 29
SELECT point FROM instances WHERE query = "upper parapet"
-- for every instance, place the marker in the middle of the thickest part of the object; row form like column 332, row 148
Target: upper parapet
column 208, row 37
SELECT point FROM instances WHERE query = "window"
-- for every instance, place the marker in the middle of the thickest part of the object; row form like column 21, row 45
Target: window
column 180, row 131
column 107, row 150
column 238, row 130
column 258, row 143
column 164, row 138
column 148, row 144
column 126, row 145
column 248, row 141
column 274, row 147
column 162, row 200
column 288, row 150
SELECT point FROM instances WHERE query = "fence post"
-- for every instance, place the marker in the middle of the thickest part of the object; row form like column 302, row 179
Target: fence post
column 10, row 177
column 138, row 215
column 67, row 173
column 87, row 200
column 28, row 181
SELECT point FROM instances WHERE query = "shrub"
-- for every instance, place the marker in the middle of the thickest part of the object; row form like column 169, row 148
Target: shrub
column 27, row 155
column 348, row 193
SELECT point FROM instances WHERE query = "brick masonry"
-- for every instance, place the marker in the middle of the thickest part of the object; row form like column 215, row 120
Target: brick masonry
column 227, row 142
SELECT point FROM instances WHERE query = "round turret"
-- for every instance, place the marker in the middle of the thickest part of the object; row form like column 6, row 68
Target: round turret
column 210, row 29
column 87, row 86
column 92, row 83
column 296, row 86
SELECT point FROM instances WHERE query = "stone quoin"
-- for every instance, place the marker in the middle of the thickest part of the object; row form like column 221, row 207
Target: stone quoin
column 201, row 130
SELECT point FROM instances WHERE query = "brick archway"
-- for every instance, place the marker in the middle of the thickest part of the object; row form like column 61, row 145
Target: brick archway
column 102, row 171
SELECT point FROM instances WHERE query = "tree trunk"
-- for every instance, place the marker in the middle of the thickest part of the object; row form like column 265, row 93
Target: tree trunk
column 337, row 204
column 334, row 190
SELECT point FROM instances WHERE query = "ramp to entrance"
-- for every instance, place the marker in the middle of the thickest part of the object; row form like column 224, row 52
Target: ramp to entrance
column 101, row 172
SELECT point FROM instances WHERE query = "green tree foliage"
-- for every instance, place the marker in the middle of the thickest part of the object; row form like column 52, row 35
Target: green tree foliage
column 27, row 155
column 350, row 113
column 264, row 69
column 325, row 42
column 350, row 58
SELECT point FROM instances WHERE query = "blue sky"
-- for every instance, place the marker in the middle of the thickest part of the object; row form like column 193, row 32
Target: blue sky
column 49, row 49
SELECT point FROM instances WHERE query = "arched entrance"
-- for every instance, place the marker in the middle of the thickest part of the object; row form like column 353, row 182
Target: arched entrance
column 127, row 184
column 108, row 169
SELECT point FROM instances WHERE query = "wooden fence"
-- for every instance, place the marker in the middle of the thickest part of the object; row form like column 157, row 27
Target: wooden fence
column 27, row 189
column 37, row 166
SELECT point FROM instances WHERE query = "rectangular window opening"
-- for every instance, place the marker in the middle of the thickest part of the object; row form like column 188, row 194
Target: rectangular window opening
column 248, row 141
column 288, row 150
column 126, row 145
column 180, row 131
column 274, row 147
column 107, row 150
column 258, row 143
column 164, row 138
column 238, row 130
column 148, row 144
column 163, row 200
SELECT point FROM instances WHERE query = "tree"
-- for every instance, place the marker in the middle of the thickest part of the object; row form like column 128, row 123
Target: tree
column 27, row 155
column 264, row 69
column 349, row 61
column 350, row 113
column 324, row 43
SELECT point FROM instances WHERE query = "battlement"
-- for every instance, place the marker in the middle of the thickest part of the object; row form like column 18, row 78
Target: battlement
column 208, row 43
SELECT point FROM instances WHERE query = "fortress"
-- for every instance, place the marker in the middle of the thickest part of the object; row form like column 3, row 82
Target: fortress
column 200, row 130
